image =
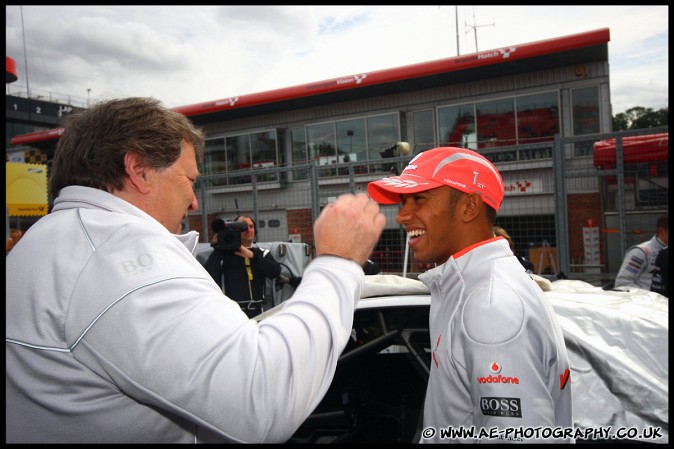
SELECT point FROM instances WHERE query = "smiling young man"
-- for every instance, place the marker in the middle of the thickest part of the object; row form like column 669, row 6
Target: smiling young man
column 498, row 354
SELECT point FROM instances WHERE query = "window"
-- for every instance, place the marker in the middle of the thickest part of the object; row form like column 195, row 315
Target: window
column 214, row 160
column 238, row 157
column 241, row 152
column 537, row 117
column 456, row 126
column 321, row 142
column 585, row 110
column 383, row 132
column 351, row 139
column 495, row 123
column 424, row 132
column 263, row 147
column 500, row 123
column 299, row 148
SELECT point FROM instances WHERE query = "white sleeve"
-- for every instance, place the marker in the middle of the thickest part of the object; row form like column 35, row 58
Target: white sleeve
column 179, row 344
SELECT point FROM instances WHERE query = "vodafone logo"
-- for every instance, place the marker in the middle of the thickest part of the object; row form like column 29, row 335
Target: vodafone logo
column 496, row 377
column 498, row 380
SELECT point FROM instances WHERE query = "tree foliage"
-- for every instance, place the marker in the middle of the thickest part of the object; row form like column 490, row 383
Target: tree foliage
column 639, row 117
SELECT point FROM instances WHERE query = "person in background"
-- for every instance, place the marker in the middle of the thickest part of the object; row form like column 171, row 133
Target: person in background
column 528, row 266
column 14, row 237
column 660, row 283
column 638, row 264
column 499, row 359
column 242, row 273
column 115, row 333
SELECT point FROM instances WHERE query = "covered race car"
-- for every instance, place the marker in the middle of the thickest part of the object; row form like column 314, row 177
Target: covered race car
column 617, row 343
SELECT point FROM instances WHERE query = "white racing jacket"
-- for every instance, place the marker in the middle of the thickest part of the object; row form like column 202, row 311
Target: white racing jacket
column 636, row 270
column 498, row 354
column 116, row 333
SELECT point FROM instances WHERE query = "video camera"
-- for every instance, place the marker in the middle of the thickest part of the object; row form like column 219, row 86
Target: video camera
column 229, row 234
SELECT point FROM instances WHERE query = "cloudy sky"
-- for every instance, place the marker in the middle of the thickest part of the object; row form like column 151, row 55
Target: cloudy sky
column 185, row 55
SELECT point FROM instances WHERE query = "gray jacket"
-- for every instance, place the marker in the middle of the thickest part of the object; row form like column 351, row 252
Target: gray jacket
column 116, row 334
column 499, row 359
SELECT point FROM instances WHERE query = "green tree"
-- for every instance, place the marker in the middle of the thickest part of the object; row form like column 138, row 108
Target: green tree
column 639, row 117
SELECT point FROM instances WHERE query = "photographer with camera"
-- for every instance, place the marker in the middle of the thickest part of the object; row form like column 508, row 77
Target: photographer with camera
column 238, row 266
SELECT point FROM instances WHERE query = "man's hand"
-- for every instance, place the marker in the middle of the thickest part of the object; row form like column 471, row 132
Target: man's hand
column 349, row 228
column 244, row 252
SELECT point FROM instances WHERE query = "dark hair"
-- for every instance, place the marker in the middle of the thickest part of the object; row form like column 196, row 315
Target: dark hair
column 454, row 196
column 491, row 214
column 251, row 219
column 91, row 149
column 663, row 222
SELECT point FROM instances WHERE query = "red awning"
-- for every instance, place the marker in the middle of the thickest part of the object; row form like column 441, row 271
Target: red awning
column 636, row 149
column 10, row 66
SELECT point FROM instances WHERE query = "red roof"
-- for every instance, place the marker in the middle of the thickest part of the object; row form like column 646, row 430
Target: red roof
column 381, row 77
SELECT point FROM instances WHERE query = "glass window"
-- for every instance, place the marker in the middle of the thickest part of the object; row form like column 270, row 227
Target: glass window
column 585, row 107
column 322, row 147
column 263, row 147
column 238, row 157
column 351, row 139
column 383, row 132
column 424, row 134
column 298, row 143
column 321, row 140
column 495, row 123
column 456, row 126
column 585, row 111
column 214, row 160
column 537, row 117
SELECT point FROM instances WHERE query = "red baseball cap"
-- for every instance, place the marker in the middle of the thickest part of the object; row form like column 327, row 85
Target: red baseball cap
column 459, row 168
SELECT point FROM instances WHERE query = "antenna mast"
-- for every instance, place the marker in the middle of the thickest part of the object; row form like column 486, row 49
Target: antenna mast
column 456, row 18
column 25, row 56
column 474, row 26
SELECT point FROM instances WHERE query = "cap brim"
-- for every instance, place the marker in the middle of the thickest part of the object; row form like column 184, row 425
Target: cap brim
column 388, row 190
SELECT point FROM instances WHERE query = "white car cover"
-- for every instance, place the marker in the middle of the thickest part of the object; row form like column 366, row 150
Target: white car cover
column 618, row 345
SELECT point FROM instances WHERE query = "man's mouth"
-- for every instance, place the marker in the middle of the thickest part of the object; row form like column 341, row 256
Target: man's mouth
column 415, row 233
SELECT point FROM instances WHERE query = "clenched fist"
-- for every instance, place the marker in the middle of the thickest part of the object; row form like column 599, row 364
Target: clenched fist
column 349, row 227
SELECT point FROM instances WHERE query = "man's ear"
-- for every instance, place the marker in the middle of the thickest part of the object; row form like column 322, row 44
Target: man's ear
column 473, row 206
column 137, row 173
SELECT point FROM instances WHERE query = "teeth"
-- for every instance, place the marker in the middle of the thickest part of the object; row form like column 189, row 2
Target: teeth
column 415, row 233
